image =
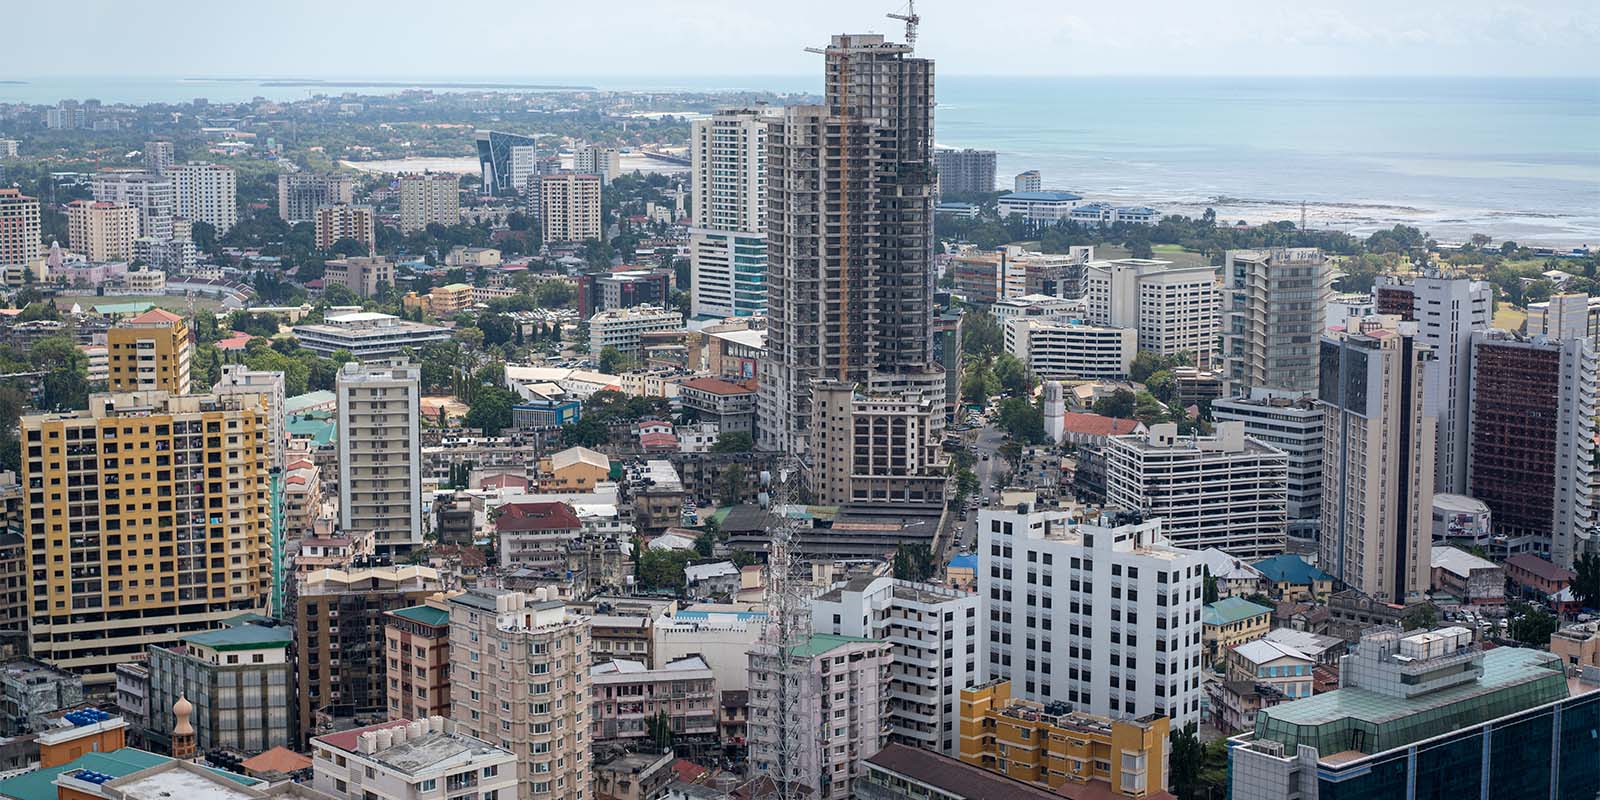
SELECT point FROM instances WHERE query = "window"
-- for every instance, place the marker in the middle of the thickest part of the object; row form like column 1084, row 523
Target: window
column 428, row 785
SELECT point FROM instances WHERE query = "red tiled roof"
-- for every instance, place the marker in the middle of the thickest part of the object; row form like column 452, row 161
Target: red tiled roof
column 503, row 482
column 521, row 517
column 1096, row 425
column 688, row 771
column 235, row 342
column 156, row 315
column 1540, row 568
column 716, row 386
column 649, row 440
column 346, row 740
column 278, row 759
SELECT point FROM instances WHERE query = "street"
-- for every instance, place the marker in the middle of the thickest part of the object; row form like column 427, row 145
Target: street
column 986, row 442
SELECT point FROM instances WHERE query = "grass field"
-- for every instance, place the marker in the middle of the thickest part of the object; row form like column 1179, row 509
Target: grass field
column 174, row 303
column 1508, row 317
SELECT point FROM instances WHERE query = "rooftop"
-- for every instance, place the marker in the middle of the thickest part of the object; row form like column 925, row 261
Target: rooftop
column 431, row 751
column 1229, row 610
column 820, row 643
column 40, row 783
column 247, row 636
column 424, row 614
column 953, row 776
column 1539, row 567
column 1290, row 569
column 1458, row 561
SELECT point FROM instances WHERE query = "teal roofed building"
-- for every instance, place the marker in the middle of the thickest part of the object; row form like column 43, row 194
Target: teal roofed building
column 1290, row 578
column 239, row 679
column 83, row 775
column 1232, row 621
column 1429, row 715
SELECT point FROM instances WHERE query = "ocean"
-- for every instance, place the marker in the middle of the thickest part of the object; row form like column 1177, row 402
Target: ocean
column 1514, row 158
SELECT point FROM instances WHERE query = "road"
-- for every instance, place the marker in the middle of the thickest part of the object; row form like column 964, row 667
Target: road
column 985, row 441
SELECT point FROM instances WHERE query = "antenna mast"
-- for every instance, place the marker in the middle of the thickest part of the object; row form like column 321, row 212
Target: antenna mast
column 910, row 18
column 797, row 749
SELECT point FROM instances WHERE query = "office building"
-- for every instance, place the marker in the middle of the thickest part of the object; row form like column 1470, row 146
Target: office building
column 1039, row 208
column 19, row 228
column 367, row 335
column 1175, row 309
column 1050, row 746
column 850, row 280
column 380, row 480
column 153, row 196
column 593, row 159
column 102, row 231
column 964, row 171
column 877, row 448
column 149, row 351
column 727, row 243
column 495, row 153
column 300, row 194
column 1430, row 714
column 1225, row 491
column 8, row 148
column 1062, row 349
column 1291, row 423
column 603, row 291
column 1102, row 617
column 843, row 702
column 1531, row 440
column 519, row 676
column 1448, row 311
column 429, row 199
column 339, row 623
column 629, row 697
column 1028, row 182
column 87, row 622
column 364, row 276
column 205, row 193
column 623, row 328
column 417, row 650
column 1275, row 304
column 159, row 157
column 569, row 207
column 238, row 679
column 1566, row 316
column 935, row 633
column 423, row 759
column 344, row 221
column 1377, row 463
column 524, row 169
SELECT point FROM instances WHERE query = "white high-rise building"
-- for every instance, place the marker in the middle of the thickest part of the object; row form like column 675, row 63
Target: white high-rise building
column 1175, row 309
column 1225, row 491
column 934, row 630
column 593, row 159
column 728, row 242
column 159, row 157
column 239, row 379
column 524, row 167
column 102, row 231
column 206, row 193
column 622, row 328
column 380, row 459
column 300, row 194
column 1290, row 422
column 1447, row 310
column 1028, row 181
column 570, row 208
column 152, row 195
column 1060, row 349
column 427, row 199
column 1275, row 309
column 1102, row 616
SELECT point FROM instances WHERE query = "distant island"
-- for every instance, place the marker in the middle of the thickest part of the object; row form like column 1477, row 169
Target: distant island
column 423, row 85
column 13, row 83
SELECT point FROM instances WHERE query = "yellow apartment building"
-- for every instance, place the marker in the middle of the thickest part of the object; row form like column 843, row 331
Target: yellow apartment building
column 150, row 351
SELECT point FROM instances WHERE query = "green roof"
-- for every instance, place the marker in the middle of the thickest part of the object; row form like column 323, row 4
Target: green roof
column 424, row 614
column 40, row 783
column 1230, row 610
column 243, row 637
column 112, row 309
column 319, row 427
column 820, row 643
column 1514, row 679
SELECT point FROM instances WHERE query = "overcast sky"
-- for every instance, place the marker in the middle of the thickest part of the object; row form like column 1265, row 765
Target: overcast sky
column 536, row 38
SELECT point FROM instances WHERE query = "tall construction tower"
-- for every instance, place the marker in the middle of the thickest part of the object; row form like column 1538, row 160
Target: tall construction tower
column 794, row 742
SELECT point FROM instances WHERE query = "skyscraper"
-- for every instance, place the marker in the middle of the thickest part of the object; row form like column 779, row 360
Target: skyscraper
column 102, row 231
column 300, row 194
column 494, row 159
column 850, row 236
column 1274, row 304
column 964, row 171
column 569, row 207
column 595, row 159
column 153, row 195
column 728, row 243
column 380, row 478
column 159, row 157
column 1377, row 466
column 206, row 193
column 19, row 227
column 1447, row 310
column 429, row 198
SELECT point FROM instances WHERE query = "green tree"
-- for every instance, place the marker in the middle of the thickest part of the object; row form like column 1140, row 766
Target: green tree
column 1586, row 583
column 1530, row 624
column 981, row 336
column 1021, row 420
column 66, row 381
column 663, row 569
column 613, row 362
column 733, row 485
column 1210, row 593
column 553, row 294
column 1420, row 615
column 491, row 409
column 913, row 562
column 1162, row 385
column 661, row 731
column 497, row 329
column 1013, row 375
column 1119, row 404
column 733, row 442
column 1197, row 771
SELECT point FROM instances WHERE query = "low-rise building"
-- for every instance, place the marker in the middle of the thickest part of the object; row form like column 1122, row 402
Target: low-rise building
column 899, row 772
column 412, row 760
column 629, row 697
column 1039, row 208
column 574, row 470
column 623, row 329
column 364, row 276
column 1234, row 576
column 1289, row 577
column 1232, row 621
column 31, row 691
column 1467, row 577
column 1278, row 665
column 1578, row 645
column 633, row 776
column 367, row 335
column 731, row 406
column 1536, row 576
column 535, row 535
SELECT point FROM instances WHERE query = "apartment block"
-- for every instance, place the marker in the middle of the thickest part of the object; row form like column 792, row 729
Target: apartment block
column 344, row 221
column 1275, row 305
column 205, row 193
column 569, row 207
column 1531, row 440
column 159, row 157
column 1061, row 349
column 1028, row 181
column 416, row 643
column 1100, row 614
column 1226, row 491
column 380, row 459
column 1175, row 309
column 877, row 448
column 300, row 194
column 150, row 351
column 629, row 697
column 841, row 691
column 151, row 193
column 600, row 161
column 519, row 677
column 1566, row 316
column 1051, row 746
column 111, row 576
column 624, row 328
column 102, row 231
column 934, row 633
column 239, row 680
column 1377, row 464
column 365, row 276
column 423, row 759
column 239, row 379
column 965, row 171
column 429, row 199
column 340, row 652
column 727, row 243
column 19, row 228
column 1291, row 423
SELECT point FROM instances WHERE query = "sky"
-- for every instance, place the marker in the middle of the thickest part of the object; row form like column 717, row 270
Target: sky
column 425, row 39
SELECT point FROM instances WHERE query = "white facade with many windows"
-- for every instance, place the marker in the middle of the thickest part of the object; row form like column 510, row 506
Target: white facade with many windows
column 1099, row 615
column 1175, row 309
column 1058, row 349
column 622, row 328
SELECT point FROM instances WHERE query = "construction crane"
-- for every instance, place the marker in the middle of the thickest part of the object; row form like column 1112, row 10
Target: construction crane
column 911, row 19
